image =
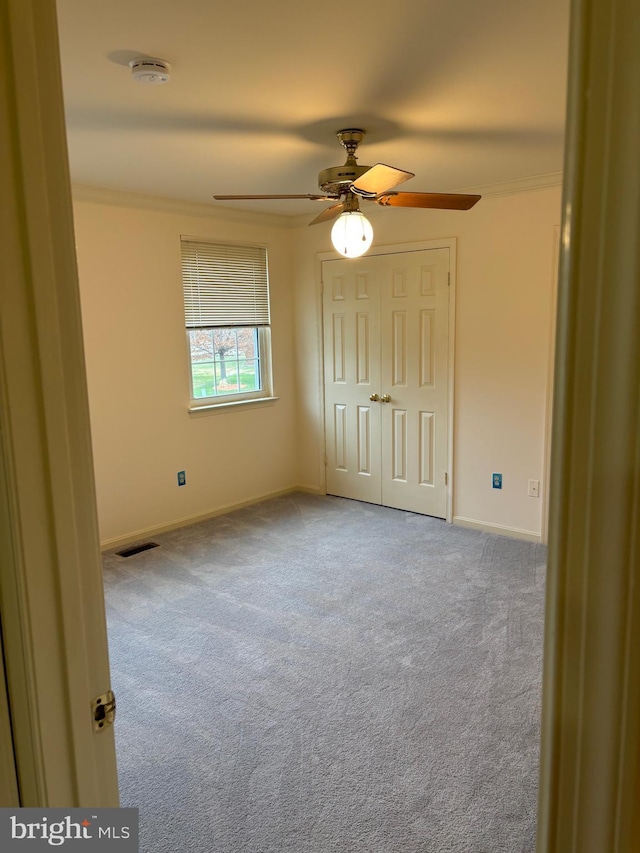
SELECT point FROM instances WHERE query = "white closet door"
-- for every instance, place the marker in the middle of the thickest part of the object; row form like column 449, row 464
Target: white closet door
column 414, row 303
column 352, row 376
column 386, row 328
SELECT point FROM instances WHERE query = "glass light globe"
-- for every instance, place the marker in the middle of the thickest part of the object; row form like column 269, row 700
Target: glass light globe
column 351, row 234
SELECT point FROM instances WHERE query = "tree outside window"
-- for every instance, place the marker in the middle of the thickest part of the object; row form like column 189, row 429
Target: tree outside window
column 224, row 361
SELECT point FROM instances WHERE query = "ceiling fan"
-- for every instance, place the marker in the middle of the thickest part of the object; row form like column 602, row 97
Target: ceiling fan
column 346, row 185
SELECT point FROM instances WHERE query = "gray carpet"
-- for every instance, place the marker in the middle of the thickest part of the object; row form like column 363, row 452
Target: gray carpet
column 317, row 675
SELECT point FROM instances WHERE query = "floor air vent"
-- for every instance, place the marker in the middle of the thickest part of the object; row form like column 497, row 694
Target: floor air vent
column 137, row 549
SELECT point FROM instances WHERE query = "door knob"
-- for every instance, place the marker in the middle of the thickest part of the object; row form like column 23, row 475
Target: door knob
column 385, row 398
column 374, row 398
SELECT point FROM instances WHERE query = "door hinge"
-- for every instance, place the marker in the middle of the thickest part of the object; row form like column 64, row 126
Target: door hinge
column 448, row 279
column 103, row 710
column 446, row 479
column 324, row 459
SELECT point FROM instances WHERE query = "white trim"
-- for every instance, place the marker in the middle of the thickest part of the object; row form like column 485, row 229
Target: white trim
column 156, row 530
column 399, row 248
column 319, row 291
column 310, row 490
column 229, row 405
column 449, row 243
column 590, row 743
column 185, row 521
column 548, row 407
column 54, row 628
column 516, row 186
column 230, row 401
column 159, row 204
column 500, row 529
column 453, row 279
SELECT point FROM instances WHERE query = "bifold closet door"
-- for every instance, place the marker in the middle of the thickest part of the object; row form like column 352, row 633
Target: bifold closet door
column 386, row 379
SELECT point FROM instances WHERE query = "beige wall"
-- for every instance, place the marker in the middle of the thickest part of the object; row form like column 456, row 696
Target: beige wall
column 504, row 259
column 129, row 265
column 137, row 365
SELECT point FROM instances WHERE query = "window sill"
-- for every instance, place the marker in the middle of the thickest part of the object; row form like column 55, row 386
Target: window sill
column 229, row 405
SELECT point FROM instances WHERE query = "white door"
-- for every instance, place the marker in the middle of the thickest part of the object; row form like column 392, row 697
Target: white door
column 386, row 337
column 53, row 622
column 351, row 376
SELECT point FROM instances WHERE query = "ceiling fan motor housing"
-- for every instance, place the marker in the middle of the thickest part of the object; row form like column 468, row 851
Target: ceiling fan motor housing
column 337, row 179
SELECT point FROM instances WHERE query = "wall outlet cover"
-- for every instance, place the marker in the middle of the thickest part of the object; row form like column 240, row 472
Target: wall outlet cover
column 182, row 478
column 497, row 481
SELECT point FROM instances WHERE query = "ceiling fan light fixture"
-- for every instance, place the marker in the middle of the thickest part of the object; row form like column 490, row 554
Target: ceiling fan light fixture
column 351, row 234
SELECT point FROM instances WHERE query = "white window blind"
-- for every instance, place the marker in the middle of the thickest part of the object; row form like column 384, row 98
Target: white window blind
column 224, row 285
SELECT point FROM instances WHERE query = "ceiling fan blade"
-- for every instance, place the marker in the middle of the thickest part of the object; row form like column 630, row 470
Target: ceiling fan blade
column 441, row 201
column 379, row 179
column 328, row 214
column 309, row 196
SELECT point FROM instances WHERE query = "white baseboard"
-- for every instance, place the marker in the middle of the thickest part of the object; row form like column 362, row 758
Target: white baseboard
column 136, row 536
column 145, row 533
column 501, row 530
column 310, row 490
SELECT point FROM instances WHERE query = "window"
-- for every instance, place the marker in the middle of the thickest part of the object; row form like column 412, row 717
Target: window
column 226, row 307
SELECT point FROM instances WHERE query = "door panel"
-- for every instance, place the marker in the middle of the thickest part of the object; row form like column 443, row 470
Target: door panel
column 351, row 375
column 414, row 303
column 386, row 333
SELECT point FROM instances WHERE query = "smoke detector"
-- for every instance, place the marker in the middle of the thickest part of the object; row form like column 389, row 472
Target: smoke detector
column 147, row 70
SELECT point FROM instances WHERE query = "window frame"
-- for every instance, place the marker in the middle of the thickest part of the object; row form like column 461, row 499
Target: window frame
column 265, row 393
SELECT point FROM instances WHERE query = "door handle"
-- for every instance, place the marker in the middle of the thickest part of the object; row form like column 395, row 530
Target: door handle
column 385, row 398
column 374, row 398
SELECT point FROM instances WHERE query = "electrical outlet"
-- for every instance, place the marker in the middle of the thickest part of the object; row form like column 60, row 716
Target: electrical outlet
column 182, row 478
column 497, row 481
column 534, row 488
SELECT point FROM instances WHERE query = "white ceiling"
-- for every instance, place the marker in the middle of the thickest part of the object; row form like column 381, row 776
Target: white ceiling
column 464, row 93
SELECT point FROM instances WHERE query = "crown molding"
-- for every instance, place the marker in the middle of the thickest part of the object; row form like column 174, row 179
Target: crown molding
column 122, row 198
column 516, row 185
column 141, row 201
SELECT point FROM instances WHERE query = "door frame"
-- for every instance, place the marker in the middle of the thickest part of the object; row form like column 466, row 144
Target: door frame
column 590, row 737
column 548, row 408
column 399, row 249
column 51, row 595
